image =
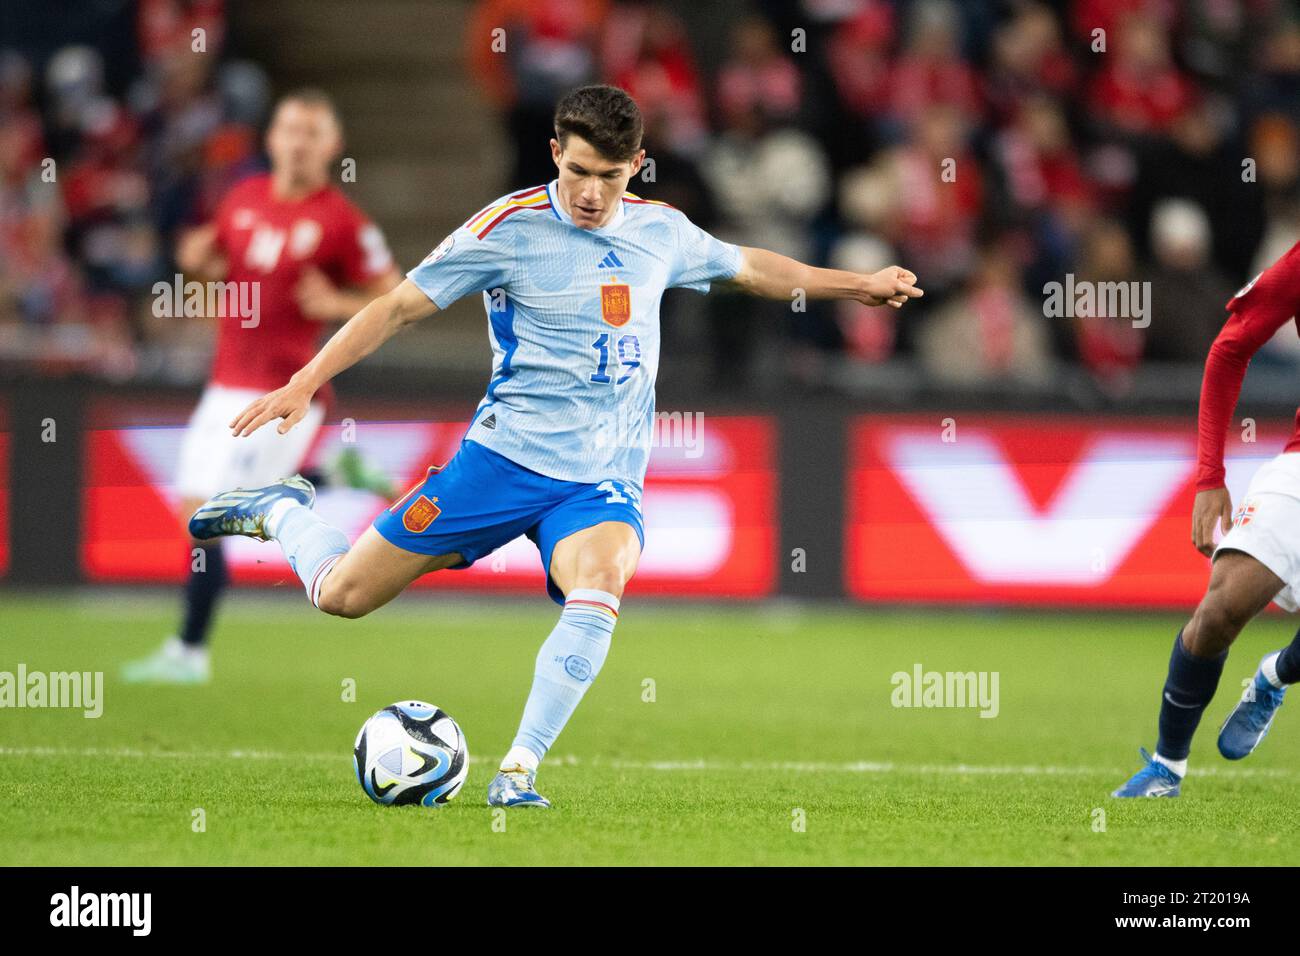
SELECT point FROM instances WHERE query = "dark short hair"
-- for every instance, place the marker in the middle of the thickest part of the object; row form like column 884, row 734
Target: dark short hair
column 312, row 96
column 605, row 116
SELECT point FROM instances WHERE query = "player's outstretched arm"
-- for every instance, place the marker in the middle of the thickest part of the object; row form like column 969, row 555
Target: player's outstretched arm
column 198, row 253
column 362, row 334
column 771, row 275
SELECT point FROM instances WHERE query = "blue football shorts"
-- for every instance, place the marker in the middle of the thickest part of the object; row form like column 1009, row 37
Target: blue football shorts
column 481, row 500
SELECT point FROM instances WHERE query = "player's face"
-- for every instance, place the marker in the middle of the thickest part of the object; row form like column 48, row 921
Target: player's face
column 590, row 185
column 302, row 142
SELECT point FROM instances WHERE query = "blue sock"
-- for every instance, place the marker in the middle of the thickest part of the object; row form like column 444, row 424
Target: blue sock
column 202, row 588
column 568, row 662
column 312, row 546
column 1188, row 689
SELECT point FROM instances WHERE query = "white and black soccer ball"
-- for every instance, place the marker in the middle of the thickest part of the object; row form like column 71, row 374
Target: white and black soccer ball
column 411, row 752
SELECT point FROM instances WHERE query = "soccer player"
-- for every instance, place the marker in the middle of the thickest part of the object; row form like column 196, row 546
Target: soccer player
column 1257, row 560
column 296, row 248
column 571, row 274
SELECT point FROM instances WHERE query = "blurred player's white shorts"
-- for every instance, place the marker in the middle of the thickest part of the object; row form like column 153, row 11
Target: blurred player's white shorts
column 213, row 460
column 1266, row 525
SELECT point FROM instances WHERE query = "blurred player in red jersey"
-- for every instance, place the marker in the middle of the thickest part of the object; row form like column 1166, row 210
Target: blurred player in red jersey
column 1257, row 561
column 312, row 258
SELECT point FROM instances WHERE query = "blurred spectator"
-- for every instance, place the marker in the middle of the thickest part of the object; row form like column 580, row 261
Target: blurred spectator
column 165, row 26
column 645, row 50
column 1029, row 61
column 549, row 48
column 758, row 84
column 989, row 331
column 1187, row 291
column 859, row 58
column 1109, row 342
column 1139, row 91
column 1087, row 16
column 1274, row 86
column 930, row 194
column 1197, row 162
column 1038, row 160
column 930, row 72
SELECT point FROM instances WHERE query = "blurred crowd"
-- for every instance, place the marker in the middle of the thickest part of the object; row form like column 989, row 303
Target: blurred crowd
column 108, row 147
column 992, row 147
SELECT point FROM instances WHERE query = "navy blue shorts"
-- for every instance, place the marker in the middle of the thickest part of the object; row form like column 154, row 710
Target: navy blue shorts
column 481, row 500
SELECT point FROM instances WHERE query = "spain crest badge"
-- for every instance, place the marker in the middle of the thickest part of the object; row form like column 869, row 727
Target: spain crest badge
column 420, row 514
column 615, row 303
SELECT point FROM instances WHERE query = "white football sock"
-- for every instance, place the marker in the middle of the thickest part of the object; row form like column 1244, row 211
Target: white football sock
column 1177, row 766
column 311, row 546
column 278, row 511
column 520, row 757
column 1268, row 667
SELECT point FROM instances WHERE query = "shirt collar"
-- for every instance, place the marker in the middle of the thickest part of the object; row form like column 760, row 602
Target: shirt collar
column 553, row 194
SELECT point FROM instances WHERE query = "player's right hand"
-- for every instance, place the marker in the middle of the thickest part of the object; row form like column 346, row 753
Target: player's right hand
column 891, row 286
column 288, row 403
column 1212, row 507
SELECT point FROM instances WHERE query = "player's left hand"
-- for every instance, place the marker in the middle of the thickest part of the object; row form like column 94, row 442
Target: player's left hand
column 891, row 286
column 317, row 296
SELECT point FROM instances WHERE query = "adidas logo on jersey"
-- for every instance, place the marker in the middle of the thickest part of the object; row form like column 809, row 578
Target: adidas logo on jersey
column 610, row 261
column 490, row 422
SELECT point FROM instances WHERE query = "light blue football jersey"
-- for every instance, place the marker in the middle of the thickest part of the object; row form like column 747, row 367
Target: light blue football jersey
column 573, row 315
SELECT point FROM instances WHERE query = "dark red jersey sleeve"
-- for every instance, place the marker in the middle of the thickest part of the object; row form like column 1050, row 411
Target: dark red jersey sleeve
column 1258, row 310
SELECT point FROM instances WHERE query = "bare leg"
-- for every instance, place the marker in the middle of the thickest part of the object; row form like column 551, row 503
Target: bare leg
column 1240, row 587
column 374, row 572
column 603, row 557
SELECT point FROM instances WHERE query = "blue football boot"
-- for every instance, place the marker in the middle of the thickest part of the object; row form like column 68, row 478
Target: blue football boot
column 514, row 788
column 1153, row 780
column 1249, row 721
column 244, row 511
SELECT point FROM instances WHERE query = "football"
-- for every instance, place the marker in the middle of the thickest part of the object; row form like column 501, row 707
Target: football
column 411, row 752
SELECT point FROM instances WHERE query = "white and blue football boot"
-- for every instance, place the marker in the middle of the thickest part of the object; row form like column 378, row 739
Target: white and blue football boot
column 1153, row 780
column 1249, row 721
column 514, row 788
column 173, row 663
column 245, row 510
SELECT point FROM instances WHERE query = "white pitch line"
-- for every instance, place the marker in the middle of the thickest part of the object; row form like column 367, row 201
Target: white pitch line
column 668, row 766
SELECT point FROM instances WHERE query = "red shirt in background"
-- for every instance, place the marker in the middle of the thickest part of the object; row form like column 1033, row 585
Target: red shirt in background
column 271, row 242
column 1261, row 308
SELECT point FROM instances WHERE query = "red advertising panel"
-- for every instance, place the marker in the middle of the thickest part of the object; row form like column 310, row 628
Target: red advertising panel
column 709, row 505
column 1034, row 510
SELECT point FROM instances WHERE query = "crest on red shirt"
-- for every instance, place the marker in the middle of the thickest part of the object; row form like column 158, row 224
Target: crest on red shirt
column 304, row 238
column 420, row 514
column 615, row 303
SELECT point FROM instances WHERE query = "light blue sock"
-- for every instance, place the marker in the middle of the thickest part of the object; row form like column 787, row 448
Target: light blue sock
column 568, row 662
column 312, row 546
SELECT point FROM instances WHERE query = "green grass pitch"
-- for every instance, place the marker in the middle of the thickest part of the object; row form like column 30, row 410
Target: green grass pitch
column 762, row 716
